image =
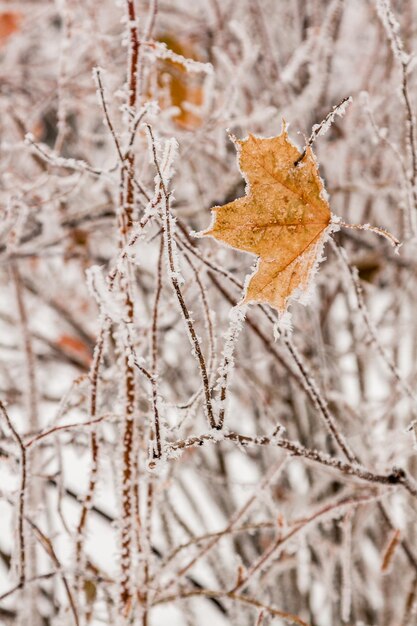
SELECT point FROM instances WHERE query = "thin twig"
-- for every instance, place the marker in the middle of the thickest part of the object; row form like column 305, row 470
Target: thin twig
column 22, row 495
column 173, row 273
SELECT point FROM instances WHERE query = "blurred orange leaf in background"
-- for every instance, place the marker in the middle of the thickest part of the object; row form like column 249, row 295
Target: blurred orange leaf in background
column 75, row 346
column 184, row 88
column 9, row 23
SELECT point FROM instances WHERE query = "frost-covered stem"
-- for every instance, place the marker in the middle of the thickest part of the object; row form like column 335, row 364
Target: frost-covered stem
column 62, row 108
column 173, row 273
column 94, row 447
column 190, row 326
column 374, row 229
column 398, row 158
column 321, row 404
column 125, row 157
column 260, row 618
column 133, row 53
column 47, row 545
column 132, row 79
column 32, row 395
column 144, row 596
column 135, row 235
column 318, row 400
column 157, row 451
column 64, row 427
column 153, row 12
column 410, row 605
column 212, row 593
column 127, row 192
column 298, row 523
column 136, row 500
column 185, row 241
column 22, row 496
column 268, row 344
column 31, row 489
column 207, row 312
column 373, row 335
column 97, row 76
column 396, row 477
column 322, row 128
column 271, row 551
column 411, row 140
column 127, row 480
column 392, row 29
column 346, row 566
column 267, row 43
column 197, row 540
column 76, row 165
column 227, row 365
column 404, row 543
column 136, row 124
column 233, row 521
column 310, row 387
column 147, row 35
column 128, row 448
column 17, row 587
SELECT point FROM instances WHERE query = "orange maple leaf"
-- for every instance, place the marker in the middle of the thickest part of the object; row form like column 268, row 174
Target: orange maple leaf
column 284, row 218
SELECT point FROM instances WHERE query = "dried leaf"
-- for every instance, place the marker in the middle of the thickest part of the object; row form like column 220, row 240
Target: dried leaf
column 184, row 88
column 390, row 550
column 75, row 346
column 9, row 24
column 90, row 591
column 283, row 219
